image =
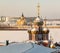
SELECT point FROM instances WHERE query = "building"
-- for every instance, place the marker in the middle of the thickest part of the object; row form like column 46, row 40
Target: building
column 25, row 47
column 38, row 28
column 21, row 21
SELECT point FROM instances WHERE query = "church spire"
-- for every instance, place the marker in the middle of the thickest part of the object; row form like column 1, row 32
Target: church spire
column 22, row 16
column 38, row 9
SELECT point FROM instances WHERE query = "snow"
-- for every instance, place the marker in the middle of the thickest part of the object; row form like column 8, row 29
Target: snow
column 55, row 33
column 13, row 36
column 45, row 29
column 19, row 36
column 45, row 41
column 34, row 29
column 38, row 19
column 40, row 49
column 15, row 48
column 24, row 48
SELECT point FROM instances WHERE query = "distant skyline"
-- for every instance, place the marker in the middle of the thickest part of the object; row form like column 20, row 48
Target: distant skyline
column 48, row 8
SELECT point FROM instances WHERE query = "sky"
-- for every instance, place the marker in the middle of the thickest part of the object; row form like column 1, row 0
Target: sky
column 48, row 8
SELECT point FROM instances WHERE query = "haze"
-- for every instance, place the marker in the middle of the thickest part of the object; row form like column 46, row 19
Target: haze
column 48, row 8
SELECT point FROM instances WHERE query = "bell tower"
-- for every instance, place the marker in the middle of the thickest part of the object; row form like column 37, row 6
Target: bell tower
column 38, row 33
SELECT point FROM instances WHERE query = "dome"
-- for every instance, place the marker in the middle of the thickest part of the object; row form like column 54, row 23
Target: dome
column 34, row 29
column 38, row 21
column 29, row 30
column 45, row 29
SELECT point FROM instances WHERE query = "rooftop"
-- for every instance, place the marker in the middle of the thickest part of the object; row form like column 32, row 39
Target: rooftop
column 25, row 47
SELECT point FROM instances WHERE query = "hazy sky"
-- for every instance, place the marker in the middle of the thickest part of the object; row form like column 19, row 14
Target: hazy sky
column 49, row 8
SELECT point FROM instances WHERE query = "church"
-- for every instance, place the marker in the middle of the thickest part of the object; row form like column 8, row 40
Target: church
column 33, row 28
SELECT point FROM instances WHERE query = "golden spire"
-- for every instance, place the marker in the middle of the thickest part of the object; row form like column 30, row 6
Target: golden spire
column 38, row 8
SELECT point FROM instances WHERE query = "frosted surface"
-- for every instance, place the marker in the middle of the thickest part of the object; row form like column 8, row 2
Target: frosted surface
column 17, row 36
column 24, row 48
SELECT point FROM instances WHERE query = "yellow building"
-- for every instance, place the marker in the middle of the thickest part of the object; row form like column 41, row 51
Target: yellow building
column 21, row 21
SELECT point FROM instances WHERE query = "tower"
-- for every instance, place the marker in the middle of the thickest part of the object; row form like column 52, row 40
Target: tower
column 38, row 21
column 38, row 32
column 22, row 16
column 21, row 21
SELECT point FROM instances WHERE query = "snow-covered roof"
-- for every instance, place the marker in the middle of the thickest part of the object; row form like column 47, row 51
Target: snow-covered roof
column 38, row 19
column 24, row 48
column 34, row 29
column 45, row 41
column 40, row 49
column 15, row 48
column 45, row 29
